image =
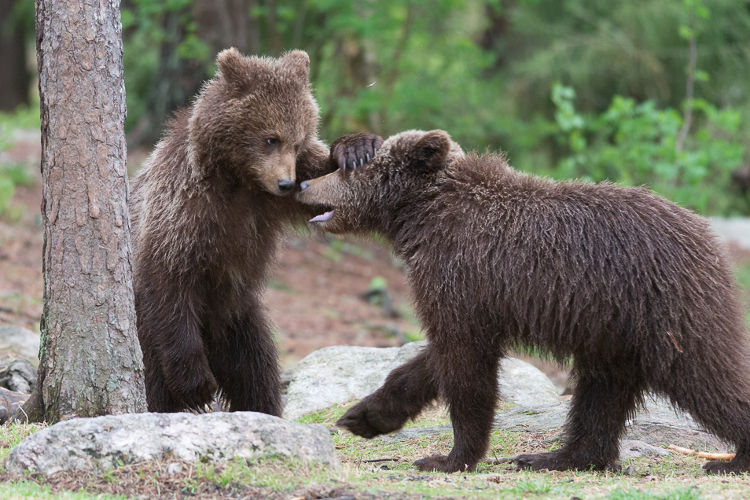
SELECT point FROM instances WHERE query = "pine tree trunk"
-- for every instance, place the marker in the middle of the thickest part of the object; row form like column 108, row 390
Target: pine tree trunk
column 90, row 359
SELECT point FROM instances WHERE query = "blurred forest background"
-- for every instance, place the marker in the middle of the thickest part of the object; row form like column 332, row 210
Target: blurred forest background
column 638, row 92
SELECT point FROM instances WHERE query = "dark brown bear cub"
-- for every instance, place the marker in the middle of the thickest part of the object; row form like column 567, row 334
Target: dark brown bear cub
column 633, row 287
column 207, row 210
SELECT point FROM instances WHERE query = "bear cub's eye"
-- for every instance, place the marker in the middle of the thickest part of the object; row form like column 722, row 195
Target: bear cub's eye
column 272, row 141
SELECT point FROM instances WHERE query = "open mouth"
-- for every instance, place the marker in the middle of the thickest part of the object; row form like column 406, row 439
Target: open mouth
column 325, row 216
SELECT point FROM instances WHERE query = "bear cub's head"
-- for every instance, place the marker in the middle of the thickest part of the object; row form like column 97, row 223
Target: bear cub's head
column 369, row 197
column 253, row 119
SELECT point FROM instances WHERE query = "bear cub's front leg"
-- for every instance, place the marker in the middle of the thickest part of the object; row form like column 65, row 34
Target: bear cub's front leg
column 405, row 392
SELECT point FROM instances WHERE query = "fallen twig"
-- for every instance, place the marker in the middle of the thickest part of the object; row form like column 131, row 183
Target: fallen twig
column 701, row 454
column 374, row 460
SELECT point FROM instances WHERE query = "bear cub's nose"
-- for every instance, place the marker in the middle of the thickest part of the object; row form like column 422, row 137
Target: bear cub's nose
column 286, row 186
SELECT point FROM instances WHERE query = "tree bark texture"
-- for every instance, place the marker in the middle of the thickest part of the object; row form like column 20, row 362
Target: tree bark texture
column 14, row 76
column 90, row 359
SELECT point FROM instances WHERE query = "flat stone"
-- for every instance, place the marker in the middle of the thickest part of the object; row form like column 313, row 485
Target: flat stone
column 101, row 443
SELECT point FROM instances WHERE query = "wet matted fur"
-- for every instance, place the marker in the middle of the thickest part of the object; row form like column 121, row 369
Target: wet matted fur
column 207, row 210
column 636, row 289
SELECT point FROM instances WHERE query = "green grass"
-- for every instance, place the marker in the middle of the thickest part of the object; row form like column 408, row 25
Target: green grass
column 676, row 494
column 383, row 467
column 30, row 489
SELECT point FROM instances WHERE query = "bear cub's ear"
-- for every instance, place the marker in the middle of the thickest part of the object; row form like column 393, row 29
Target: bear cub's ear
column 432, row 149
column 234, row 67
column 298, row 63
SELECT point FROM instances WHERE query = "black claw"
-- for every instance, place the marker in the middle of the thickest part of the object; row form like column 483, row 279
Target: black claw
column 354, row 164
column 367, row 157
column 361, row 162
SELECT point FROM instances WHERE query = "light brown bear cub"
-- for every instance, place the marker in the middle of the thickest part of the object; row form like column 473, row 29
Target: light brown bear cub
column 633, row 287
column 207, row 211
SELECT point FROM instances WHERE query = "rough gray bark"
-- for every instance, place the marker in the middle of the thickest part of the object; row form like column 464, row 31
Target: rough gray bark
column 90, row 359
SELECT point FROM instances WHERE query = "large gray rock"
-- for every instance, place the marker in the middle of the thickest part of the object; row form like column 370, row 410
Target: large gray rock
column 523, row 384
column 103, row 442
column 339, row 374
column 19, row 342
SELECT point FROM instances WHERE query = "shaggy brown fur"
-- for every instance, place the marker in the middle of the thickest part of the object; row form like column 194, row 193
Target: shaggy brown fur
column 633, row 287
column 207, row 210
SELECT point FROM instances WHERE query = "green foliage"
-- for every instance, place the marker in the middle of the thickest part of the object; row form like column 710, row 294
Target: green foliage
column 24, row 117
column 11, row 174
column 635, row 143
column 483, row 70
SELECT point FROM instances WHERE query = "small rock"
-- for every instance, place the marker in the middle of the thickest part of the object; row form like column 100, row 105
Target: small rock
column 17, row 375
column 95, row 444
column 174, row 469
column 10, row 402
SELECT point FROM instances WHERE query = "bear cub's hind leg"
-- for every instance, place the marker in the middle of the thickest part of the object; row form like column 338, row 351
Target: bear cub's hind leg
column 600, row 408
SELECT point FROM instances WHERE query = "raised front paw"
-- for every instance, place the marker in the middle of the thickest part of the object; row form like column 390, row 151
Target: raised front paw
column 442, row 463
column 367, row 420
column 354, row 150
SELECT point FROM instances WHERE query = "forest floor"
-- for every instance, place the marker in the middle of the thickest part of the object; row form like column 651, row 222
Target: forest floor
column 379, row 469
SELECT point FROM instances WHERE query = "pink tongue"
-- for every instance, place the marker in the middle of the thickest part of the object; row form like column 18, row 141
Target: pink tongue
column 322, row 217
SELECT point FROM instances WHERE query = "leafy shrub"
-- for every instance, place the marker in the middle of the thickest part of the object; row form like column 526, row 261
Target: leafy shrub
column 635, row 143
